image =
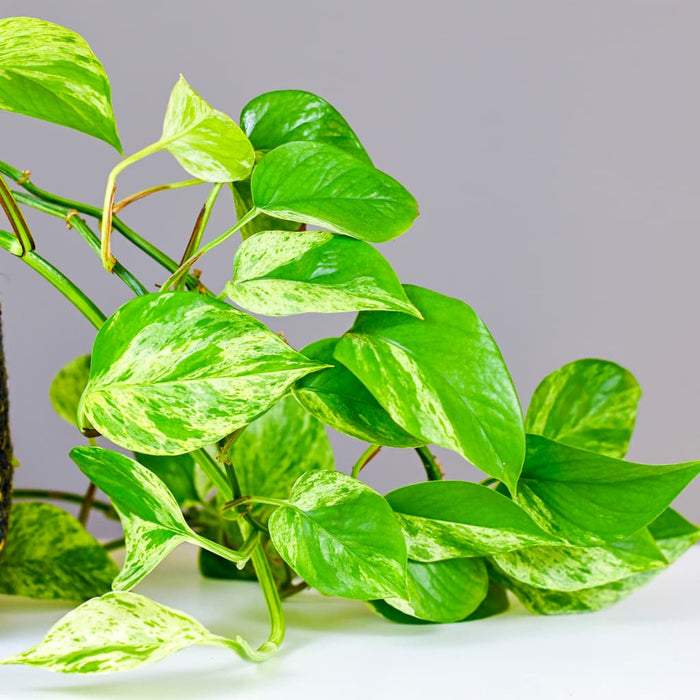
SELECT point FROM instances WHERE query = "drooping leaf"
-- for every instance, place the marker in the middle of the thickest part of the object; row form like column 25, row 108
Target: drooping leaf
column 443, row 591
column 442, row 379
column 319, row 184
column 67, row 388
column 277, row 448
column 207, row 143
column 339, row 399
column 177, row 472
column 341, row 537
column 243, row 201
column 152, row 520
column 50, row 72
column 591, row 404
column 673, row 535
column 280, row 273
column 563, row 568
column 587, row 498
column 117, row 632
column 275, row 118
column 50, row 556
column 452, row 519
column 175, row 371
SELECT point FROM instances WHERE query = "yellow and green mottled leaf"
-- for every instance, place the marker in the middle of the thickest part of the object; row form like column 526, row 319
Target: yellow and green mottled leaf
column 68, row 386
column 50, row 556
column 591, row 404
column 50, row 72
column 341, row 537
column 280, row 273
column 173, row 372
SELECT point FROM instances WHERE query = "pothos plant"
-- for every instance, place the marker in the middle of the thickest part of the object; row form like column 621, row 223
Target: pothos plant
column 226, row 421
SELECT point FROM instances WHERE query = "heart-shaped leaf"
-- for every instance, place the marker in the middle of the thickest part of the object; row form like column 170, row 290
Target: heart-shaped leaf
column 175, row 371
column 280, row 273
column 442, row 379
column 591, row 404
column 49, row 555
column 50, row 72
column 117, row 632
column 339, row 399
column 152, row 520
column 587, row 498
column 319, row 184
column 207, row 143
column 443, row 591
column 451, row 519
column 243, row 201
column 341, row 537
column 68, row 386
column 275, row 118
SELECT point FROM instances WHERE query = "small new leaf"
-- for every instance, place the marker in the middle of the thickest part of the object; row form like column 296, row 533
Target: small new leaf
column 68, row 386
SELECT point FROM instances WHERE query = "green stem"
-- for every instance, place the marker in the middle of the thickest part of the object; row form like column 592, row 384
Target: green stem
column 17, row 221
column 69, row 290
column 114, row 544
column 432, row 468
column 212, row 469
column 240, row 500
column 49, row 495
column 71, row 217
column 210, row 246
column 272, row 600
column 122, row 203
column 365, row 458
column 141, row 243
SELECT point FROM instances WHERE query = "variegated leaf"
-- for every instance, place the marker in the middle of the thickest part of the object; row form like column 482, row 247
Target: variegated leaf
column 341, row 537
column 117, row 632
column 453, row 519
column 68, row 386
column 50, row 556
column 173, row 372
column 152, row 520
column 280, row 273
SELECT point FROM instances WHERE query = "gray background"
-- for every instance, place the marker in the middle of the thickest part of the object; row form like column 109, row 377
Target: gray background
column 553, row 148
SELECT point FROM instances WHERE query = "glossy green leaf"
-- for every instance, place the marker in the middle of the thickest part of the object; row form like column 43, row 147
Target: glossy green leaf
column 319, row 184
column 117, row 632
column 280, row 273
column 587, row 498
column 452, row 519
column 572, row 568
column 207, row 143
column 591, row 404
column 442, row 379
column 177, row 472
column 243, row 202
column 152, row 520
column 67, row 388
column 50, row 72
column 341, row 537
column 175, row 371
column 277, row 448
column 443, row 591
column 50, row 556
column 282, row 116
column 673, row 535
column 339, row 399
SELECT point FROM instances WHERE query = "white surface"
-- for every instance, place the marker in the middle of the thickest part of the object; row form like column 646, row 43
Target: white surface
column 645, row 647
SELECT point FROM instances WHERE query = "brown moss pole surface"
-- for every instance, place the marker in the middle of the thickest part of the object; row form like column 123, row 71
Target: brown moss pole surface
column 6, row 458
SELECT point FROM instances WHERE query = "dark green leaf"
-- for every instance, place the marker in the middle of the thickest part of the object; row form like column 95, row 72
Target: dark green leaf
column 442, row 379
column 341, row 537
column 452, row 519
column 280, row 273
column 49, row 72
column 68, row 386
column 591, row 404
column 176, row 371
column 177, row 472
column 339, row 399
column 49, row 555
column 319, row 184
column 275, row 118
column 587, row 498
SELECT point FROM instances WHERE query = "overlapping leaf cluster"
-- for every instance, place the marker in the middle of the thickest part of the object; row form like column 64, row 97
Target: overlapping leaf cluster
column 227, row 421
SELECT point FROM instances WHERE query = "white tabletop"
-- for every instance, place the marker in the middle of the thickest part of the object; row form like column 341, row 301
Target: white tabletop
column 644, row 647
